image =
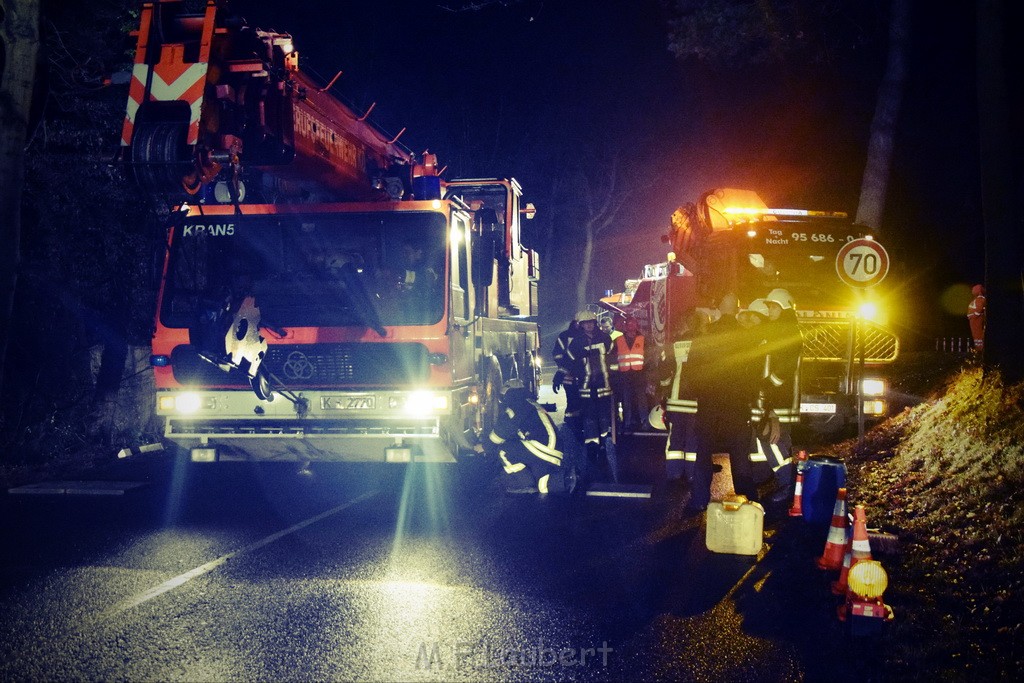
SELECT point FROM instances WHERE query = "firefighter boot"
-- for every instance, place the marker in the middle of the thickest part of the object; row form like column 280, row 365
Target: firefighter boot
column 591, row 465
column 520, row 482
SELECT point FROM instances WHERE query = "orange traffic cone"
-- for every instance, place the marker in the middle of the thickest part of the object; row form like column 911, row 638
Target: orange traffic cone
column 839, row 586
column 797, row 509
column 861, row 546
column 835, row 544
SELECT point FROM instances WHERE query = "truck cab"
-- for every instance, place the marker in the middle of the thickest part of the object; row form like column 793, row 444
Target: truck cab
column 378, row 332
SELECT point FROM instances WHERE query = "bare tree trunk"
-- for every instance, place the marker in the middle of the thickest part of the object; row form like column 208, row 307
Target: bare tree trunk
column 20, row 34
column 1000, row 195
column 883, row 126
column 586, row 260
column 546, row 241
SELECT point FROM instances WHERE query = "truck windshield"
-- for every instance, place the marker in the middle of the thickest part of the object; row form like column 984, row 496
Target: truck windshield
column 312, row 270
column 794, row 256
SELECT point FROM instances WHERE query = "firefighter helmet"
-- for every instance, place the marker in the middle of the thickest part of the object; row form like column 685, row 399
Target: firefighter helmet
column 781, row 297
column 513, row 391
column 759, row 306
column 585, row 314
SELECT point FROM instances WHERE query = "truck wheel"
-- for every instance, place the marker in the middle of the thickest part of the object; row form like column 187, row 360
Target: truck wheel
column 532, row 376
column 491, row 397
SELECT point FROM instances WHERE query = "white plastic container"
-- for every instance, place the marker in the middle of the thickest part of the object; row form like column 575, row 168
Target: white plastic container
column 735, row 526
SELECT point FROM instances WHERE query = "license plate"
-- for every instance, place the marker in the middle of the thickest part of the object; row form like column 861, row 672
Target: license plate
column 818, row 408
column 348, row 402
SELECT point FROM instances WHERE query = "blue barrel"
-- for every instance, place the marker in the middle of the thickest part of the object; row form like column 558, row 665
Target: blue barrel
column 824, row 475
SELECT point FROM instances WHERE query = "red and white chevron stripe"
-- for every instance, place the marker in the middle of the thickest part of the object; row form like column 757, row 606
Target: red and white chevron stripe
column 171, row 82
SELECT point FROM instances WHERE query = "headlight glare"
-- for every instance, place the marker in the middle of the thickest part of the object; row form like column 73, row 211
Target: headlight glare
column 187, row 403
column 869, row 311
column 873, row 387
column 424, row 403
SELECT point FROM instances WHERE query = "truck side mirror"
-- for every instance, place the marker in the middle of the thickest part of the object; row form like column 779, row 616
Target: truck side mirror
column 483, row 260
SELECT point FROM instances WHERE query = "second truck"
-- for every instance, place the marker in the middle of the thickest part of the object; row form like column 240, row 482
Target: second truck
column 731, row 241
column 326, row 295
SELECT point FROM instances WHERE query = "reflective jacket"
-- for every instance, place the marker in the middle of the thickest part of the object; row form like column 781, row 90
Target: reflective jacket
column 782, row 373
column 680, row 397
column 591, row 357
column 630, row 358
column 560, row 352
column 726, row 368
column 976, row 316
column 523, row 422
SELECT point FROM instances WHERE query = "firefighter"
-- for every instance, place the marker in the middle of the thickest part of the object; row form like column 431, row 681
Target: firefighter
column 607, row 324
column 765, row 433
column 565, row 379
column 417, row 272
column 537, row 456
column 726, row 375
column 976, row 316
column 680, row 405
column 632, row 384
column 782, row 388
column 591, row 354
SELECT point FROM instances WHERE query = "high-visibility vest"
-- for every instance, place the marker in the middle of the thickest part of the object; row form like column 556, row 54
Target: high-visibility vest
column 631, row 359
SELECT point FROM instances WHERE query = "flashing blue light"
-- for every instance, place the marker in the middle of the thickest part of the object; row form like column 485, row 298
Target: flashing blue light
column 427, row 187
column 160, row 361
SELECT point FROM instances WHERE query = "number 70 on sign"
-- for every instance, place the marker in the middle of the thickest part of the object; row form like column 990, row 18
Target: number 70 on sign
column 862, row 263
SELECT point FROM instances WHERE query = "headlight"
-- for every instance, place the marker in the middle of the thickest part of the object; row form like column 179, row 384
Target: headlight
column 874, row 407
column 185, row 403
column 425, row 403
column 869, row 311
column 873, row 387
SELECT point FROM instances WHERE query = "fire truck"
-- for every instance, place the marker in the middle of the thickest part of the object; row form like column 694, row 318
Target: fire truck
column 326, row 295
column 731, row 241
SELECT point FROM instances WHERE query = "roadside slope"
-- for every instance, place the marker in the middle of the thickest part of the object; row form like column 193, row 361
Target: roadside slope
column 947, row 476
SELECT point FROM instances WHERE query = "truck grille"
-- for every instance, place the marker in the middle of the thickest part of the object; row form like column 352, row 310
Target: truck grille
column 829, row 340
column 313, row 365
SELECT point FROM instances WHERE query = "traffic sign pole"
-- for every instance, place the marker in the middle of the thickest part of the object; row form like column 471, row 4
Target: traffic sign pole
column 861, row 263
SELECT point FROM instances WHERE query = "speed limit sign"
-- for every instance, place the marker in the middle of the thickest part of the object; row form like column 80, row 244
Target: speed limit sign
column 862, row 263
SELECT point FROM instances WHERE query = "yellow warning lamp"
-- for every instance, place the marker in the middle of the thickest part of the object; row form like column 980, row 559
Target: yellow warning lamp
column 867, row 580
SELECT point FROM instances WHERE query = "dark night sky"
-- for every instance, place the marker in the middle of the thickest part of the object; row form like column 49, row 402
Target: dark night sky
column 508, row 90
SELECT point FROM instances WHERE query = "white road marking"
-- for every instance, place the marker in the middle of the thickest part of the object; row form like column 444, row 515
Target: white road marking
column 605, row 493
column 182, row 579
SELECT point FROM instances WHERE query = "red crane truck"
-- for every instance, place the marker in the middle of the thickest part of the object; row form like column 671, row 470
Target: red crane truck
column 326, row 295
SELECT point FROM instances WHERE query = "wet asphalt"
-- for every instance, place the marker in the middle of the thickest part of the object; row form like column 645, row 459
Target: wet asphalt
column 419, row 572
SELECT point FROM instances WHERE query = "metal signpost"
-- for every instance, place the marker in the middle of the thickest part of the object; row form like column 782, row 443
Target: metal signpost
column 861, row 263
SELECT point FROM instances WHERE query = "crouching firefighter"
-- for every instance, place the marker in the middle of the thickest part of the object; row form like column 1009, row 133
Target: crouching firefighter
column 537, row 456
